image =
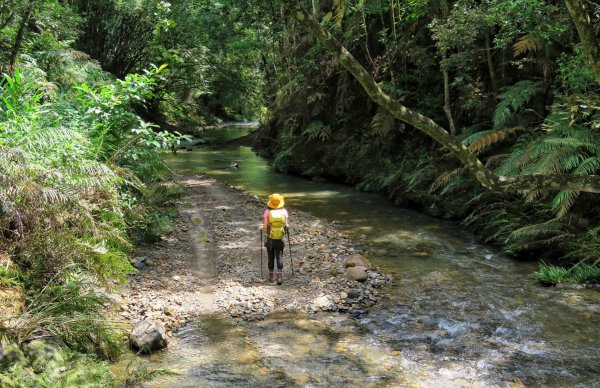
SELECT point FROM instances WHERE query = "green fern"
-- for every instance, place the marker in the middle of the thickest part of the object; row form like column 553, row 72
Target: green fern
column 317, row 130
column 444, row 178
column 562, row 148
column 513, row 99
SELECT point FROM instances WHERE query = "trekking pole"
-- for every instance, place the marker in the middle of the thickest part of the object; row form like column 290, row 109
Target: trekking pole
column 290, row 246
column 261, row 247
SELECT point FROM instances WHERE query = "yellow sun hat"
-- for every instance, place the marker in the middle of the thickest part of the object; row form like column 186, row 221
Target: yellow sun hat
column 275, row 201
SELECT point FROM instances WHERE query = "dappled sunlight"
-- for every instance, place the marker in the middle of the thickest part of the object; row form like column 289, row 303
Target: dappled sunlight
column 455, row 316
column 197, row 182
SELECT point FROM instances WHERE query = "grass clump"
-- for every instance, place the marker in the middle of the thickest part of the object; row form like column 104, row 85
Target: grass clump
column 580, row 273
column 551, row 275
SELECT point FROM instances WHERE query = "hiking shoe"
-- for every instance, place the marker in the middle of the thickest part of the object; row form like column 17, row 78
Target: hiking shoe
column 279, row 279
column 271, row 279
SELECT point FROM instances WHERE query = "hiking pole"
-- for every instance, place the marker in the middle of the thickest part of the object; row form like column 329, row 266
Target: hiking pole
column 290, row 246
column 261, row 247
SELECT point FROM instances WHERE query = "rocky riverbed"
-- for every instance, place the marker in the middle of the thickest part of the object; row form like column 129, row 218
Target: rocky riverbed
column 212, row 264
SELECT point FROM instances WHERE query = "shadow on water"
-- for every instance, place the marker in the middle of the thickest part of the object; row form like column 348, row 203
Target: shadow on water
column 459, row 312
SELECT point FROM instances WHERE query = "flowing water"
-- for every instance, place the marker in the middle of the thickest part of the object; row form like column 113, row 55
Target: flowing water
column 459, row 313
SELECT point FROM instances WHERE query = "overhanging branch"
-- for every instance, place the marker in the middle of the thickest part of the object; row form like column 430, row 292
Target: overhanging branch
column 489, row 180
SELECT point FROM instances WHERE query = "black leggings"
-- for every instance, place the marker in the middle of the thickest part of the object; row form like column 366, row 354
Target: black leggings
column 275, row 251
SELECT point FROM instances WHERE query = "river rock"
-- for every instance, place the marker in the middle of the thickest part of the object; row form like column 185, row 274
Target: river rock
column 357, row 260
column 325, row 303
column 139, row 265
column 358, row 273
column 148, row 335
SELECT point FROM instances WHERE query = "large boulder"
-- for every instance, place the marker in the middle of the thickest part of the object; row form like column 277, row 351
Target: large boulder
column 148, row 335
column 357, row 260
column 358, row 273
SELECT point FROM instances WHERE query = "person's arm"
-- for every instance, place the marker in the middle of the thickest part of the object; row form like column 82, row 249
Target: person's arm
column 287, row 219
column 265, row 220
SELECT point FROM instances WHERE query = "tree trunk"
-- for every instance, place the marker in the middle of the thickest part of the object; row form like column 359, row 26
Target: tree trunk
column 447, row 109
column 479, row 172
column 20, row 35
column 490, row 63
column 581, row 19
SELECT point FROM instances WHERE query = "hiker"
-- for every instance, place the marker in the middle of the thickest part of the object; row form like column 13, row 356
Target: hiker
column 275, row 224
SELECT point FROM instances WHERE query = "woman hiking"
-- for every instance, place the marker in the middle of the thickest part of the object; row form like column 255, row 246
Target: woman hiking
column 275, row 224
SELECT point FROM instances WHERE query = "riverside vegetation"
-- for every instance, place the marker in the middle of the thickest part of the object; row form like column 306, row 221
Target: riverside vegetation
column 82, row 182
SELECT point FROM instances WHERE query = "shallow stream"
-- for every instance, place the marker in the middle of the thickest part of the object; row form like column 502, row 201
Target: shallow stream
column 459, row 313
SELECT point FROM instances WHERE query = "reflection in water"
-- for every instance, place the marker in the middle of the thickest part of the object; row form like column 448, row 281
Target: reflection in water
column 460, row 313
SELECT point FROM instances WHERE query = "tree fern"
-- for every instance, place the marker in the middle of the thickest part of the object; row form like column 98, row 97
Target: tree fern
column 563, row 147
column 513, row 99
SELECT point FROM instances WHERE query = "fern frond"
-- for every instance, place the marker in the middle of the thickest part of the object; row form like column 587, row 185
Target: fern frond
column 455, row 183
column 588, row 166
column 532, row 195
column 445, row 178
column 317, row 130
column 492, row 137
column 563, row 201
column 512, row 99
column 382, row 122
column 552, row 162
column 538, row 232
column 527, row 44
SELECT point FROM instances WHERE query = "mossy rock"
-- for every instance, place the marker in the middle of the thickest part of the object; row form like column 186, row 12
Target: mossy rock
column 10, row 356
column 45, row 357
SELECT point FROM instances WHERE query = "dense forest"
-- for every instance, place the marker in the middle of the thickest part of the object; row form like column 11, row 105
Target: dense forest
column 424, row 101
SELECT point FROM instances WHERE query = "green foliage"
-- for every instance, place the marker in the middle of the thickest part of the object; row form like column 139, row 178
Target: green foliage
column 317, row 130
column 549, row 274
column 580, row 273
column 44, row 364
column 150, row 211
column 535, row 18
column 585, row 273
column 574, row 72
column 563, row 147
column 10, row 276
column 141, row 375
column 213, row 49
column 80, row 177
column 56, row 171
column 585, row 247
column 513, row 99
column 70, row 311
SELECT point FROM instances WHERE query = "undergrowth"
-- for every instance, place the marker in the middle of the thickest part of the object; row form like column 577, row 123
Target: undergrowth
column 580, row 273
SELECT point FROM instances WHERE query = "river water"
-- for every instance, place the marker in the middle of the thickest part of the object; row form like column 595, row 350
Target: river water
column 459, row 313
